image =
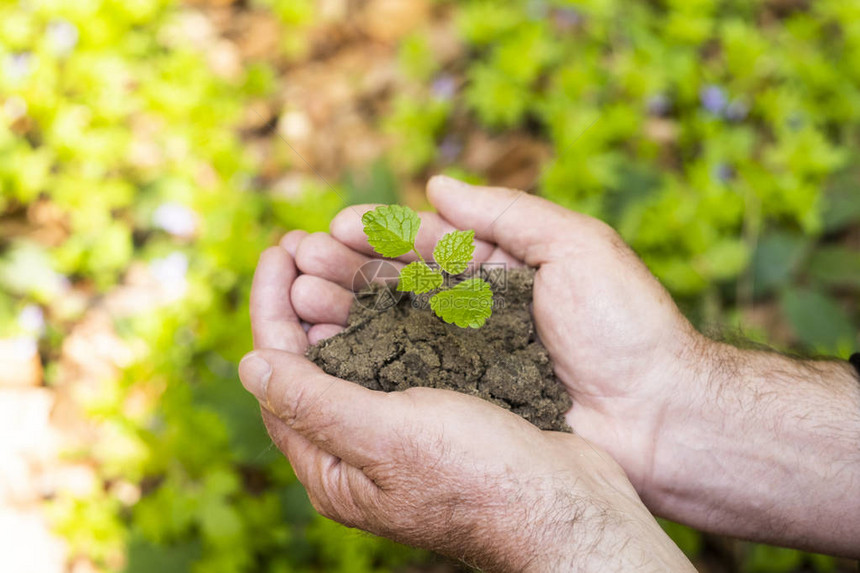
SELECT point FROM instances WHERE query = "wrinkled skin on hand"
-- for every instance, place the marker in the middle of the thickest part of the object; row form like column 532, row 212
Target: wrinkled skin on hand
column 431, row 468
column 617, row 340
column 740, row 442
column 452, row 473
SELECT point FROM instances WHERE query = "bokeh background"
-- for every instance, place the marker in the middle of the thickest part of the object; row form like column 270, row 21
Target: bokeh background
column 150, row 149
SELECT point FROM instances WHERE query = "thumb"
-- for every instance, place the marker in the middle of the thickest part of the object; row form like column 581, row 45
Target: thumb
column 342, row 418
column 525, row 226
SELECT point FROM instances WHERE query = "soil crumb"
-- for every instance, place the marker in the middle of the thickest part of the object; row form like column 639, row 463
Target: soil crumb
column 407, row 345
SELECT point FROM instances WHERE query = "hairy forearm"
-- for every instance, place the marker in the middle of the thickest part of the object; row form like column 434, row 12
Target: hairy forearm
column 560, row 522
column 623, row 537
column 769, row 450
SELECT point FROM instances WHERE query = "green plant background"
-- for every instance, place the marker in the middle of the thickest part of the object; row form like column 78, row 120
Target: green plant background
column 719, row 137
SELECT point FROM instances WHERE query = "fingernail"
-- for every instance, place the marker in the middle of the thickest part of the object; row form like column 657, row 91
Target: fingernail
column 255, row 373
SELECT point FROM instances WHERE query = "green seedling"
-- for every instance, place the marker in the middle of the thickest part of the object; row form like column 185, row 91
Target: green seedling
column 391, row 231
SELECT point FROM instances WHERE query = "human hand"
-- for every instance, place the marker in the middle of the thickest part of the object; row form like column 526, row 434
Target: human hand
column 618, row 342
column 441, row 470
column 739, row 442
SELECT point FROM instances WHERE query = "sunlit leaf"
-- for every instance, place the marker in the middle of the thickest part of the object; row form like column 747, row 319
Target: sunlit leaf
column 818, row 320
column 391, row 229
column 468, row 305
column 835, row 266
column 454, row 251
column 417, row 277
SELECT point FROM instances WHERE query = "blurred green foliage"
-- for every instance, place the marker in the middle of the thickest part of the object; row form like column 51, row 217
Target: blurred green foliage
column 717, row 136
column 133, row 139
column 703, row 131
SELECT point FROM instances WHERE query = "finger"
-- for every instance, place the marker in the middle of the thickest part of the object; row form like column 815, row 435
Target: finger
column 274, row 323
column 499, row 255
column 317, row 300
column 301, row 452
column 336, row 489
column 529, row 228
column 321, row 255
column 347, row 228
column 295, row 446
column 344, row 419
column 291, row 241
column 305, row 458
column 324, row 256
column 320, row 332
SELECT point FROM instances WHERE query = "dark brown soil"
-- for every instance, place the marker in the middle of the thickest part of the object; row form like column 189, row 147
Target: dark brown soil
column 407, row 345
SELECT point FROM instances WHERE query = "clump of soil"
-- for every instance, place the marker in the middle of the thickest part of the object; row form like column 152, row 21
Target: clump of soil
column 407, row 345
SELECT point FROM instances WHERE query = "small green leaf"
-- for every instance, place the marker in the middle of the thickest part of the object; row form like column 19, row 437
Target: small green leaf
column 836, row 266
column 687, row 539
column 391, row 229
column 454, row 251
column 144, row 556
column 418, row 278
column 763, row 558
column 817, row 319
column 776, row 260
column 469, row 304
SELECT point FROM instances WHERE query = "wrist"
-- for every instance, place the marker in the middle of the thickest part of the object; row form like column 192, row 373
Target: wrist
column 623, row 538
column 764, row 447
column 596, row 522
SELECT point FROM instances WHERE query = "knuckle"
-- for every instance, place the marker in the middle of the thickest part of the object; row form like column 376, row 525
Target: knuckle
column 342, row 223
column 306, row 415
column 607, row 234
column 342, row 502
column 296, row 235
column 291, row 406
column 310, row 254
column 303, row 289
column 316, row 430
column 415, row 393
column 271, row 252
column 510, row 192
column 322, row 507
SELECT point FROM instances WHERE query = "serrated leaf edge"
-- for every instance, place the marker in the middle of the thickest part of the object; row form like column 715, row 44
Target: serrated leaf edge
column 429, row 271
column 399, row 213
column 446, row 264
column 471, row 322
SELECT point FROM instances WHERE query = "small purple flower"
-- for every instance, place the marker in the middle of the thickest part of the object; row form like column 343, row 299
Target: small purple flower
column 444, row 87
column 723, row 173
column 737, row 110
column 170, row 272
column 18, row 66
column 32, row 319
column 176, row 219
column 713, row 99
column 450, row 149
column 62, row 37
column 659, row 104
column 566, row 18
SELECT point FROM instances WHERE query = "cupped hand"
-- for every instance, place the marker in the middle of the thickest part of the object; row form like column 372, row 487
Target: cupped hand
column 618, row 341
column 437, row 469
